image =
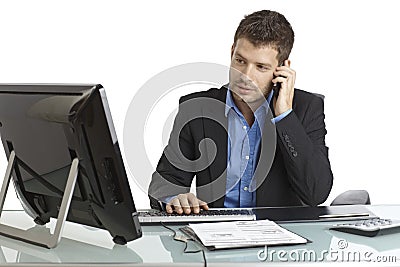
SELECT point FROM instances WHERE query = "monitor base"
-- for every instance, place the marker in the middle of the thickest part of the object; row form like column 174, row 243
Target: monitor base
column 51, row 240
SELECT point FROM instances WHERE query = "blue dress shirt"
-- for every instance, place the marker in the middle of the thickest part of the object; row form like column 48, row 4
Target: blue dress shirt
column 243, row 151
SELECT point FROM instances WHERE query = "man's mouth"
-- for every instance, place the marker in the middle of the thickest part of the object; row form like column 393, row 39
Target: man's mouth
column 244, row 89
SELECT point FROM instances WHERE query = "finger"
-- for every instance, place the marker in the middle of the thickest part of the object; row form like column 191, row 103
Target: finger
column 285, row 68
column 194, row 203
column 203, row 205
column 183, row 199
column 287, row 63
column 279, row 80
column 289, row 75
column 291, row 78
column 168, row 208
column 177, row 205
column 281, row 73
column 284, row 72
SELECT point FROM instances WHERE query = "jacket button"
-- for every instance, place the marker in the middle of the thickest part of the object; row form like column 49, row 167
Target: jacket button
column 294, row 153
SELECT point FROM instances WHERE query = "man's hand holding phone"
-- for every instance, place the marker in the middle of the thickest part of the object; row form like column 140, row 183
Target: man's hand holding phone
column 286, row 77
column 186, row 203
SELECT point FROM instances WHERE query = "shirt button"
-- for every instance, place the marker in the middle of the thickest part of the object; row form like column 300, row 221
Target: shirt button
column 245, row 188
column 247, row 157
column 245, row 127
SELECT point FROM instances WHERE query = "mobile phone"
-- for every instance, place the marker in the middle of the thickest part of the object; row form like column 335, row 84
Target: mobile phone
column 277, row 86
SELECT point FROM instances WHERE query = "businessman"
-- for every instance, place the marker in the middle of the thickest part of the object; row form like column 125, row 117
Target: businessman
column 268, row 138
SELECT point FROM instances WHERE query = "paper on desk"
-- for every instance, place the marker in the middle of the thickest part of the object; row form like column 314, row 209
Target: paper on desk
column 244, row 234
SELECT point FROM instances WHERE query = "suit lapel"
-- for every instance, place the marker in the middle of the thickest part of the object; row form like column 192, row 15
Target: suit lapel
column 215, row 126
column 266, row 158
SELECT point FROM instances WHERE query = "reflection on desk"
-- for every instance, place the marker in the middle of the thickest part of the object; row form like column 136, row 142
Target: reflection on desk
column 69, row 251
column 157, row 247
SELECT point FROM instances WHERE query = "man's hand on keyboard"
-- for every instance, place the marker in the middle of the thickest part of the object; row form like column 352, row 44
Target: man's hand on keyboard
column 186, row 203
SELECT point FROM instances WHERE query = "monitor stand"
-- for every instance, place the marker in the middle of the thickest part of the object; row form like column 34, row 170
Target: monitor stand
column 48, row 241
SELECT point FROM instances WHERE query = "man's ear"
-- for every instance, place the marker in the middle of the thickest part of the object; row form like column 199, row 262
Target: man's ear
column 232, row 49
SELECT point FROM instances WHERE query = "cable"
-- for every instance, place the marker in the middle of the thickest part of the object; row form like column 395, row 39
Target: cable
column 169, row 228
column 179, row 238
column 196, row 251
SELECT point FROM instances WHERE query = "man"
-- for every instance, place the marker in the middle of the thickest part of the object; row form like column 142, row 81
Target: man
column 268, row 146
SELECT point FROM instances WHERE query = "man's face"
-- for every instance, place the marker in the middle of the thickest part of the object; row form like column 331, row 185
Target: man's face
column 251, row 71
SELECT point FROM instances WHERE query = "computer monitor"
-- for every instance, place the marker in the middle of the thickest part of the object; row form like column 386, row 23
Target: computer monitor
column 64, row 160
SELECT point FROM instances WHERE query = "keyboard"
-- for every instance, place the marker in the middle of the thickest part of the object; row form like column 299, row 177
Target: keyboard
column 211, row 215
column 370, row 227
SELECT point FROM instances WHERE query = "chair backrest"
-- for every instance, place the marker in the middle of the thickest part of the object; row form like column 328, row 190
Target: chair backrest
column 352, row 197
column 319, row 95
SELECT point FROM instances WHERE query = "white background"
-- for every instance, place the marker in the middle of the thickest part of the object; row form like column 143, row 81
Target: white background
column 346, row 50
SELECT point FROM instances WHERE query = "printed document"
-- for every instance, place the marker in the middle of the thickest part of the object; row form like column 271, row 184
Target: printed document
column 244, row 234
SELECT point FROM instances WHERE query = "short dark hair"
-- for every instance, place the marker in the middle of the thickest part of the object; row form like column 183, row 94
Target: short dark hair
column 267, row 28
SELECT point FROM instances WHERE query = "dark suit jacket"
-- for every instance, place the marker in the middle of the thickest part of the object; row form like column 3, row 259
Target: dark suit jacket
column 293, row 168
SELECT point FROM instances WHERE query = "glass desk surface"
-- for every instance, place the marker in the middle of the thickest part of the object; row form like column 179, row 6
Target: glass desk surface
column 86, row 246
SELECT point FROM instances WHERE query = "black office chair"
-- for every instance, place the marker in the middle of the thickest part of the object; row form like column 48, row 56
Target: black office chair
column 352, row 197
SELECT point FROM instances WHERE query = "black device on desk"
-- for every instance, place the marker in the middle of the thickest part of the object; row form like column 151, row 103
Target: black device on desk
column 64, row 159
column 313, row 214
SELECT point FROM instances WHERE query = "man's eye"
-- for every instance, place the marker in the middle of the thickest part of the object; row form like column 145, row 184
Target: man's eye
column 240, row 61
column 262, row 68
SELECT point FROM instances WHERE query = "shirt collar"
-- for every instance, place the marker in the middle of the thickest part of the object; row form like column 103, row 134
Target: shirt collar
column 230, row 104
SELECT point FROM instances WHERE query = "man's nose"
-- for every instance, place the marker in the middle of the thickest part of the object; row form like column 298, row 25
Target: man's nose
column 247, row 73
column 247, row 70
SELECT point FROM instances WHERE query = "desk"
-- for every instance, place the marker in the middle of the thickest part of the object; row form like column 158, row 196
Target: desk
column 85, row 246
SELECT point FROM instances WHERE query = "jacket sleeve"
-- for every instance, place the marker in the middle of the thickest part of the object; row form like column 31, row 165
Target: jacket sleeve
column 302, row 143
column 169, row 178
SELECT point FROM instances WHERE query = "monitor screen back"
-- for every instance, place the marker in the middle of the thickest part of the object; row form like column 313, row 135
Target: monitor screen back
column 47, row 126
